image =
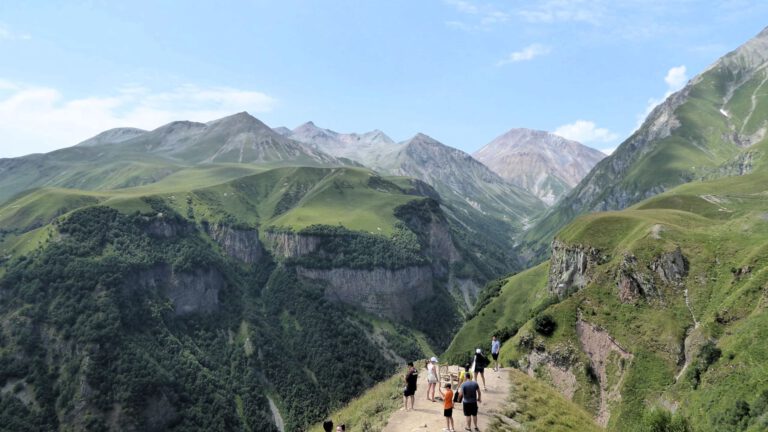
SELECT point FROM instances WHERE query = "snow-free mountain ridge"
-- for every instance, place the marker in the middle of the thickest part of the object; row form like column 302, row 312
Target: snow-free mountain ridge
column 540, row 162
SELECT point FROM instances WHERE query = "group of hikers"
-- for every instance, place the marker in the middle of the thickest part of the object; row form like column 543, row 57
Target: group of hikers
column 467, row 391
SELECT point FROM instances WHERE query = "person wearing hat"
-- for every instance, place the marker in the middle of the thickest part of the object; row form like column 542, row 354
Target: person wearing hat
column 431, row 378
column 481, row 361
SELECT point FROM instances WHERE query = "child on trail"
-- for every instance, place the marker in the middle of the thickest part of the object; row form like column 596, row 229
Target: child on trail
column 448, row 407
column 431, row 378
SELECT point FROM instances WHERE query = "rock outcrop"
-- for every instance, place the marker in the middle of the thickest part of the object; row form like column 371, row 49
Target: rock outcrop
column 285, row 244
column 189, row 292
column 603, row 350
column 389, row 293
column 671, row 267
column 633, row 283
column 242, row 244
column 571, row 267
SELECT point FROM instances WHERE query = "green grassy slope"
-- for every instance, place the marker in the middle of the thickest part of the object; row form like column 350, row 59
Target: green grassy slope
column 721, row 227
column 538, row 407
column 507, row 310
column 713, row 128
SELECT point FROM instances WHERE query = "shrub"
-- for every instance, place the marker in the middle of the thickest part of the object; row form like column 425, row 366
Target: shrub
column 544, row 325
column 709, row 354
column 506, row 333
column 661, row 420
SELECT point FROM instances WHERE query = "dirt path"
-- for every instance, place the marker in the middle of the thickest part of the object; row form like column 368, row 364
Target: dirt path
column 428, row 416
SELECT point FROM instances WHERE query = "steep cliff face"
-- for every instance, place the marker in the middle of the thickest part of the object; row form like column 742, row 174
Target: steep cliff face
column 289, row 244
column 570, row 267
column 189, row 292
column 383, row 292
column 378, row 279
column 241, row 244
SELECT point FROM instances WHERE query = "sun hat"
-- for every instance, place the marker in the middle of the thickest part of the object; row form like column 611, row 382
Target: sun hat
column 433, row 359
column 478, row 350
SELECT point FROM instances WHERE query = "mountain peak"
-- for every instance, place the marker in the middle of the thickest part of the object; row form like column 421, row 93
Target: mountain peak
column 543, row 163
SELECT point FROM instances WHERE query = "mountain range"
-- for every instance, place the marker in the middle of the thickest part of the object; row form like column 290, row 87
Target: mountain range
column 231, row 276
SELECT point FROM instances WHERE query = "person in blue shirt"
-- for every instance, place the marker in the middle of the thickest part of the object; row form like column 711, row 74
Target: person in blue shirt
column 495, row 348
column 470, row 396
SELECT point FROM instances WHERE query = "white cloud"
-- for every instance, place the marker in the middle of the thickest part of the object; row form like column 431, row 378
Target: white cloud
column 608, row 151
column 528, row 53
column 39, row 119
column 482, row 17
column 463, row 6
column 585, row 132
column 676, row 79
column 7, row 34
column 554, row 11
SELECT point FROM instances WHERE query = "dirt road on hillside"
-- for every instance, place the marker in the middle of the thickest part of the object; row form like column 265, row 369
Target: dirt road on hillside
column 428, row 416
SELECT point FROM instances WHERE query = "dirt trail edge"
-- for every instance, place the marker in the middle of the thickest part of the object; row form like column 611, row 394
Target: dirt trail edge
column 428, row 416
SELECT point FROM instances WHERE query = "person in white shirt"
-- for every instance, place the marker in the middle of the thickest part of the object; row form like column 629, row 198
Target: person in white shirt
column 495, row 348
column 431, row 378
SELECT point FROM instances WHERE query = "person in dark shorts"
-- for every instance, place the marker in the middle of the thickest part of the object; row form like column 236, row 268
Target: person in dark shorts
column 411, row 377
column 495, row 348
column 481, row 362
column 447, row 407
column 470, row 394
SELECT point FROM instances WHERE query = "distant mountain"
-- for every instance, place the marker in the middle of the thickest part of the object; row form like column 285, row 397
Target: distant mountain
column 113, row 136
column 714, row 127
column 542, row 163
column 365, row 148
column 460, row 178
column 127, row 157
column 282, row 130
column 491, row 210
column 240, row 138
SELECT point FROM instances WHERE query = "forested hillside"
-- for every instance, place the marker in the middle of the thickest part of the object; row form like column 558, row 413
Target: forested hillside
column 192, row 309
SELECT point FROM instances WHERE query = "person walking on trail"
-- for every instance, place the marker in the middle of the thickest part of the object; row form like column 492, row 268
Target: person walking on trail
column 463, row 376
column 431, row 378
column 447, row 407
column 411, row 377
column 481, row 362
column 470, row 394
column 495, row 348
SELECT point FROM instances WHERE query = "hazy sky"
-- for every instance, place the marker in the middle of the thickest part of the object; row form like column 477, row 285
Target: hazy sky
column 462, row 71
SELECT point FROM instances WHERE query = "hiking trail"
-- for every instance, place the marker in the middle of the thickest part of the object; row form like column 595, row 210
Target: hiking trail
column 428, row 416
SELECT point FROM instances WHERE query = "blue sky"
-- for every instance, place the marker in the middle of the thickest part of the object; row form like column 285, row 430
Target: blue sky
column 462, row 71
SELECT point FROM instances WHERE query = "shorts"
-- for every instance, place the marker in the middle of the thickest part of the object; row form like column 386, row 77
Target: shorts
column 448, row 412
column 431, row 379
column 470, row 409
column 409, row 391
column 479, row 369
column 495, row 356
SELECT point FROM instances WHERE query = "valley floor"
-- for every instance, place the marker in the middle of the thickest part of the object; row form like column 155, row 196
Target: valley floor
column 428, row 416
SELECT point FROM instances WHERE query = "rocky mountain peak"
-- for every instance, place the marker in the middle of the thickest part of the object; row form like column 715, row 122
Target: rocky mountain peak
column 543, row 163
